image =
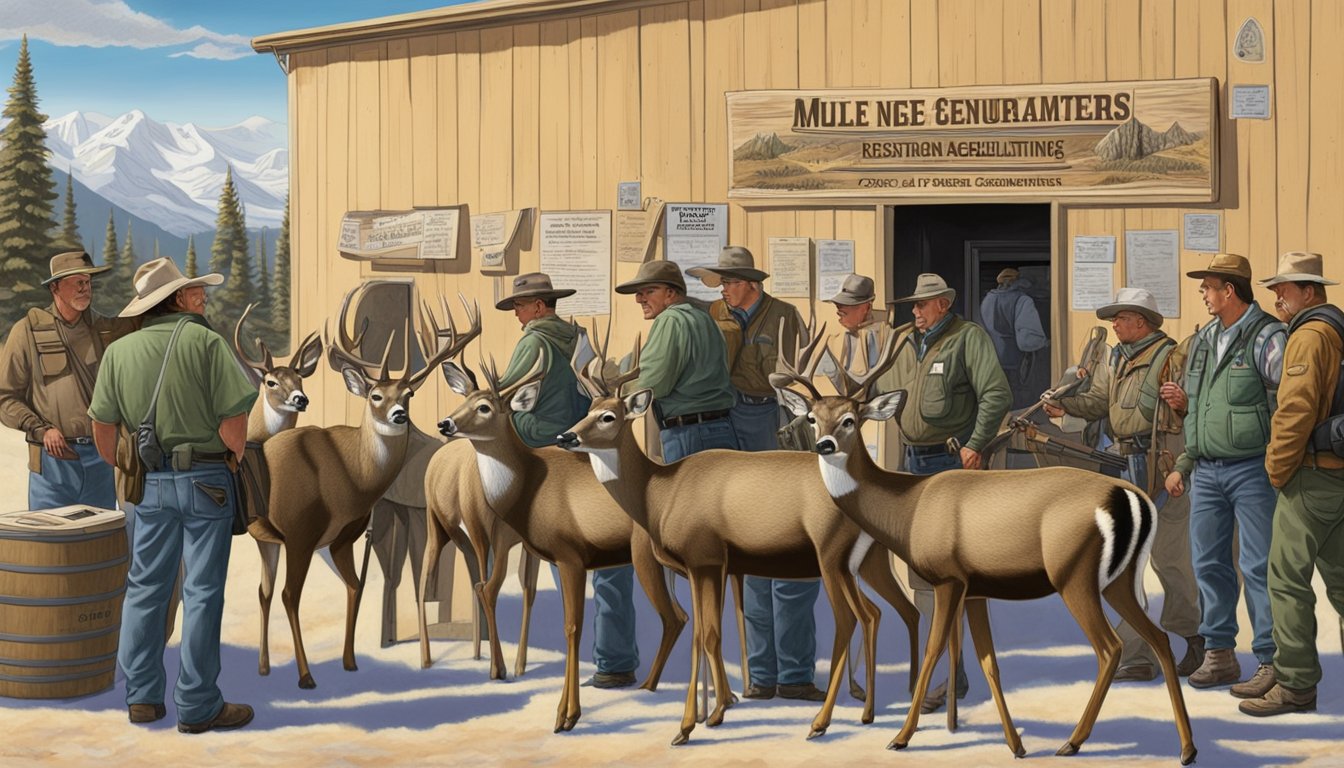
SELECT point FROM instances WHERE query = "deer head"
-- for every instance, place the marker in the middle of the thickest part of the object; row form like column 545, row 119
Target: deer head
column 281, row 385
column 610, row 411
column 387, row 395
column 486, row 413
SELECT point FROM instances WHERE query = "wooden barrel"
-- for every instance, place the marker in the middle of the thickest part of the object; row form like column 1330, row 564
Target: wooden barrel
column 62, row 578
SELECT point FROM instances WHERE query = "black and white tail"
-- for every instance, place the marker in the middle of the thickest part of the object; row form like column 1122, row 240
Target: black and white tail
column 1126, row 521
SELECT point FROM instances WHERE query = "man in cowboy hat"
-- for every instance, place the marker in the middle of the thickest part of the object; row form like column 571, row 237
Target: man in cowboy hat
column 780, row 627
column 684, row 362
column 47, row 371
column 958, row 397
column 1309, row 474
column 866, row 330
column 1124, row 394
column 1228, row 396
column 186, row 514
column 1014, row 325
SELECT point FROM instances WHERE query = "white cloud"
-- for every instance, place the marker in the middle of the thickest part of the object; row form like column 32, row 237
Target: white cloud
column 102, row 23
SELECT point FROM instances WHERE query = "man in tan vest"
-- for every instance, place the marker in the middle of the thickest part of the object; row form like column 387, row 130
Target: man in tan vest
column 866, row 330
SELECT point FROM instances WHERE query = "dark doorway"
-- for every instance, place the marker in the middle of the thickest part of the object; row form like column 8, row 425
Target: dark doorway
column 969, row 246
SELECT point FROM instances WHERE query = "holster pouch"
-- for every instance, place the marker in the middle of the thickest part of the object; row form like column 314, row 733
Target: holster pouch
column 35, row 458
column 182, row 458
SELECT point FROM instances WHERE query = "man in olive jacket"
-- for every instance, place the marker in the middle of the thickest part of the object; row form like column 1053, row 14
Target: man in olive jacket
column 956, row 389
column 1309, row 516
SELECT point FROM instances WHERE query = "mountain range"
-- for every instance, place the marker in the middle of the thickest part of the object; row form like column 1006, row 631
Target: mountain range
column 1133, row 140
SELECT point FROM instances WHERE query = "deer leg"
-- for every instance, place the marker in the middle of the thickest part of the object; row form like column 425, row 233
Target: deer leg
column 343, row 557
column 953, row 654
column 488, row 592
column 671, row 615
column 741, row 628
column 435, row 537
column 270, row 565
column 572, row 582
column 697, row 650
column 1120, row 594
column 876, row 571
column 977, row 618
column 945, row 598
column 834, row 578
column 527, row 576
column 712, row 596
column 1083, row 600
column 479, row 535
column 870, row 616
column 297, row 559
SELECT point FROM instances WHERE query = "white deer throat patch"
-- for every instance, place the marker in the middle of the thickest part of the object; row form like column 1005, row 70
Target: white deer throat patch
column 606, row 465
column 275, row 420
column 836, row 475
column 496, row 477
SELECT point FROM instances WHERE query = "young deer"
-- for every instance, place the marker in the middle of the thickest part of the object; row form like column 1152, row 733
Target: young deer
column 282, row 397
column 330, row 478
column 701, row 515
column 550, row 498
column 1011, row 535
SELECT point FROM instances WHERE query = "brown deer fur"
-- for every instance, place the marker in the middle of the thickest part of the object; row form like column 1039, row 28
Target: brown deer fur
column 282, row 398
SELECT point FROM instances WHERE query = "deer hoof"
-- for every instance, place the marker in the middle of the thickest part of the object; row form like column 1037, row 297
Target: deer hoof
column 1020, row 752
column 896, row 743
column 1188, row 756
column 263, row 669
column 1069, row 748
column 867, row 718
column 351, row 667
column 816, row 733
column 857, row 692
column 681, row 738
column 715, row 718
column 570, row 722
column 306, row 682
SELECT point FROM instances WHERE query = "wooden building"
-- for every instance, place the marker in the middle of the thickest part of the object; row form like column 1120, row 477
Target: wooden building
column 551, row 103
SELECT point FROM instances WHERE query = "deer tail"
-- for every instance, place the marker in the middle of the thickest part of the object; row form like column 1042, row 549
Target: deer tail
column 1126, row 521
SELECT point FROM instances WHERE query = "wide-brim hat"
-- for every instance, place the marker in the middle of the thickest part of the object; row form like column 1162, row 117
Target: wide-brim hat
column 1134, row 300
column 1225, row 265
column 157, row 280
column 656, row 272
column 72, row 263
column 735, row 262
column 1298, row 267
column 857, row 289
column 929, row 286
column 533, row 285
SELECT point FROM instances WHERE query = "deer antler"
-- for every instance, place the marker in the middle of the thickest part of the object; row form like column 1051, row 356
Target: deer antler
column 859, row 385
column 263, row 365
column 804, row 367
column 340, row 349
column 454, row 344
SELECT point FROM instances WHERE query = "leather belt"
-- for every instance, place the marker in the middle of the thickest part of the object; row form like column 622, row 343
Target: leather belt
column 693, row 418
column 936, row 449
column 80, row 440
column 754, row 400
column 1131, row 446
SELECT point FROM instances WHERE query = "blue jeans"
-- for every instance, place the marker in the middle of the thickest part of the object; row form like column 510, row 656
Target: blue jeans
column 83, row 480
column 614, row 646
column 755, row 423
column 1224, row 492
column 178, row 521
column 931, row 461
column 680, row 442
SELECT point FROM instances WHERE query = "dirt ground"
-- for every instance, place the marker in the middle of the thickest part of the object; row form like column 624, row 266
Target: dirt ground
column 390, row 712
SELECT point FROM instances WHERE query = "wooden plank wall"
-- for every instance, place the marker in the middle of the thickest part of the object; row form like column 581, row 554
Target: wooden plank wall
column 555, row 113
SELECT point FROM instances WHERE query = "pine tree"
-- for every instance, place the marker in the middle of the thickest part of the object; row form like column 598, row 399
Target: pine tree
column 192, row 268
column 69, row 239
column 109, row 296
column 229, row 256
column 280, row 283
column 263, row 288
column 124, row 274
column 26, row 195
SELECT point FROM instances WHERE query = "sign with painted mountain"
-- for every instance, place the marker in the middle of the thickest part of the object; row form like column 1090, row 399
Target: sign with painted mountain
column 1148, row 141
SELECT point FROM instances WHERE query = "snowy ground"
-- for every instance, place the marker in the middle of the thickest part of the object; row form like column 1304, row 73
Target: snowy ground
column 391, row 712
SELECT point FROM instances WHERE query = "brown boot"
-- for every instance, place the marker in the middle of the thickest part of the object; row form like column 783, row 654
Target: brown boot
column 1220, row 667
column 1259, row 684
column 1194, row 656
column 146, row 713
column 230, row 716
column 805, row 692
column 1135, row 673
column 1280, row 701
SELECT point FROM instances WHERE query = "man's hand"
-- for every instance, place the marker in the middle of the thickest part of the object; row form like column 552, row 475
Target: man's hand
column 1175, row 485
column 54, row 442
column 1172, row 394
column 1053, row 410
column 970, row 459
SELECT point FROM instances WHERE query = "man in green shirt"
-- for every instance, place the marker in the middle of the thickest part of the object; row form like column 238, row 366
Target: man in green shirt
column 186, row 513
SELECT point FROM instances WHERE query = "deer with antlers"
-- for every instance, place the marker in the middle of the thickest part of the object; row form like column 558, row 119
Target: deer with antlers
column 332, row 477
column 697, row 512
column 551, row 499
column 1011, row 535
column 281, row 387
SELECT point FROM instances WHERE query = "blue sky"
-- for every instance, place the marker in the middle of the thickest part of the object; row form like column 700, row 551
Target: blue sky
column 177, row 60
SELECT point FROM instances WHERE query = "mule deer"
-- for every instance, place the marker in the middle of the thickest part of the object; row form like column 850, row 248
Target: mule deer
column 282, row 397
column 699, row 515
column 549, row 496
column 1013, row 535
column 331, row 477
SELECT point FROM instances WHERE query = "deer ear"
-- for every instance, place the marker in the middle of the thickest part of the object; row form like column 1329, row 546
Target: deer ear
column 637, row 403
column 525, row 399
column 355, row 381
column 793, row 402
column 310, row 356
column 458, row 380
column 884, row 407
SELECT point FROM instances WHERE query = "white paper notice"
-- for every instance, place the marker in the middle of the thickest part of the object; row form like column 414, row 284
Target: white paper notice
column 1250, row 101
column 694, row 237
column 487, row 229
column 790, row 267
column 1099, row 249
column 627, row 196
column 835, row 262
column 576, row 253
column 1092, row 285
column 440, row 235
column 1152, row 261
column 1201, row 232
column 349, row 235
column 631, row 236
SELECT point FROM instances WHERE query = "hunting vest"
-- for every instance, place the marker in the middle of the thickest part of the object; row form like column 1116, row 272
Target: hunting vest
column 1134, row 387
column 1229, row 406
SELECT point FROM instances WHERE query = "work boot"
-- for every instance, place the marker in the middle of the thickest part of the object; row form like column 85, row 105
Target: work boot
column 1135, row 673
column 1259, row 684
column 610, row 680
column 805, row 692
column 1220, row 667
column 935, row 699
column 761, row 692
column 230, row 716
column 1280, row 701
column 146, row 713
column 1194, row 656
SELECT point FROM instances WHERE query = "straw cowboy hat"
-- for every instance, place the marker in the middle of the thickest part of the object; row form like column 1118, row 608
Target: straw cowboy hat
column 657, row 272
column 157, row 280
column 1133, row 300
column 1298, row 267
column 856, row 289
column 735, row 262
column 929, row 286
column 533, row 285
column 72, row 263
column 1225, row 265
column 1006, row 275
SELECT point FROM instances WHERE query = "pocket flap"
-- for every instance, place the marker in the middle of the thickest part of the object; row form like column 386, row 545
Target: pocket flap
column 217, row 494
